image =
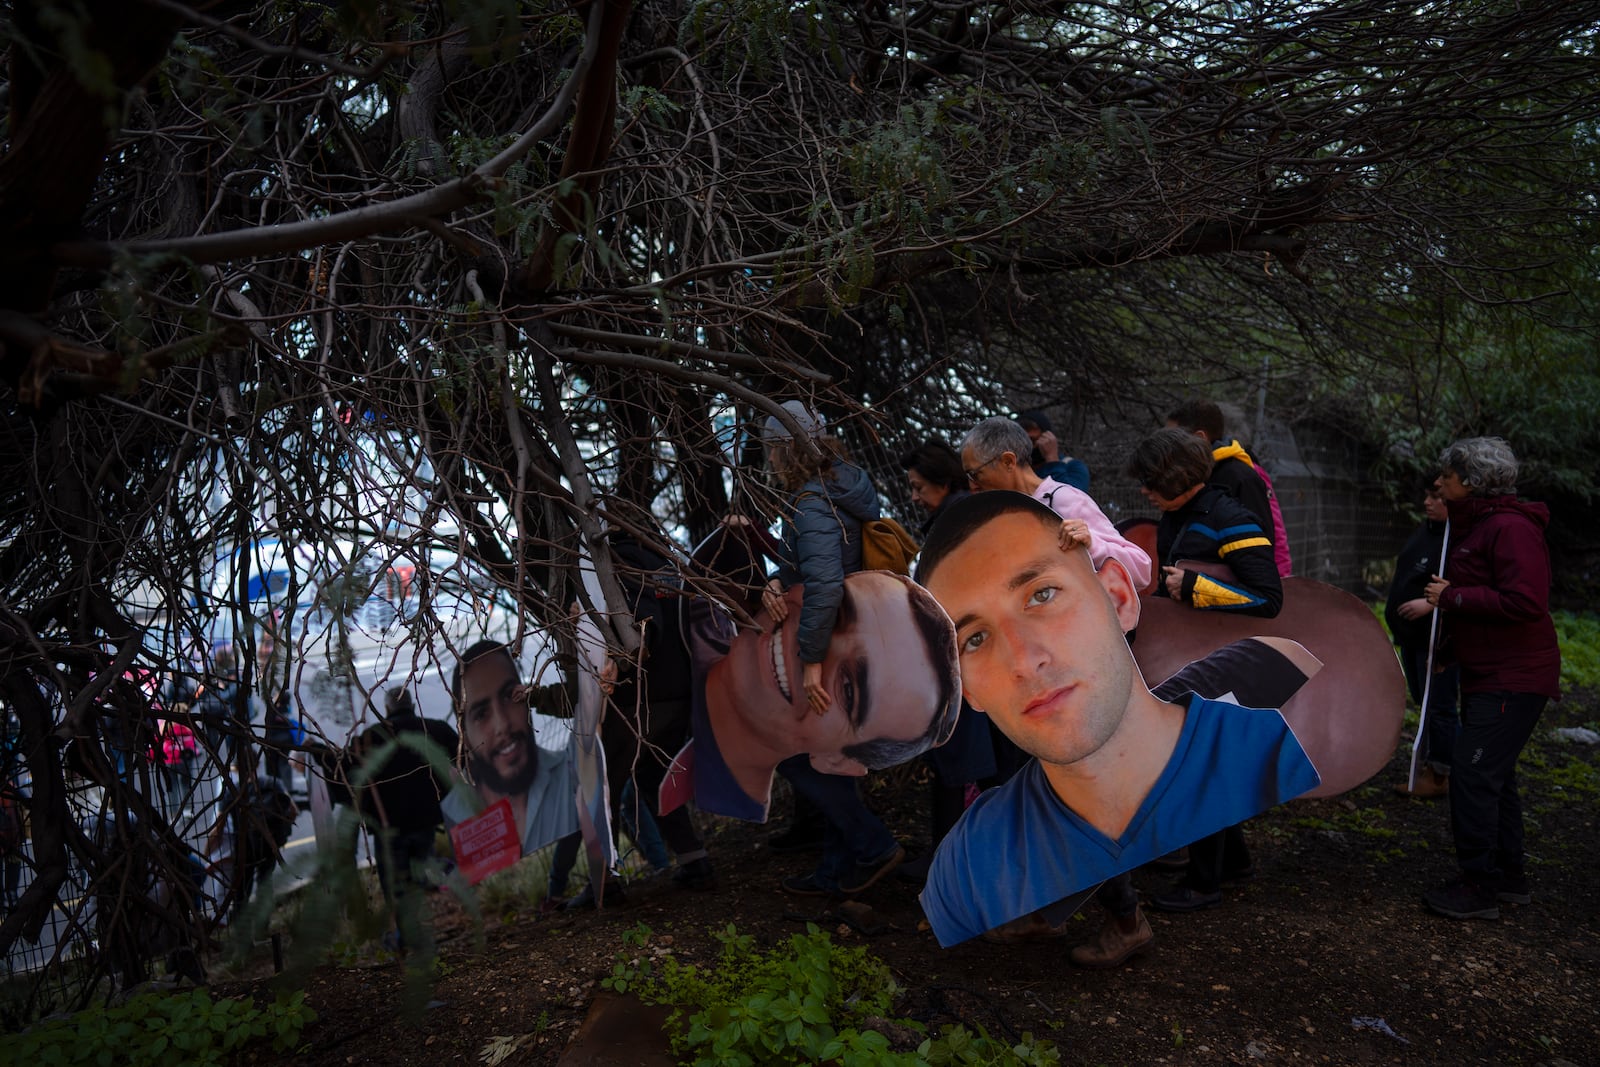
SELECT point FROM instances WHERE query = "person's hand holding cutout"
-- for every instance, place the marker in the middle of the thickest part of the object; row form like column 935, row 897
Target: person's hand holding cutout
column 816, row 692
column 1074, row 534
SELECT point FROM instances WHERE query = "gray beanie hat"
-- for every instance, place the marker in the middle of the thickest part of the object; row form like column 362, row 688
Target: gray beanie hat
column 773, row 431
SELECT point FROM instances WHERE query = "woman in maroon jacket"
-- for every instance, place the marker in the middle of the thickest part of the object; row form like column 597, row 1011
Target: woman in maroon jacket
column 1494, row 601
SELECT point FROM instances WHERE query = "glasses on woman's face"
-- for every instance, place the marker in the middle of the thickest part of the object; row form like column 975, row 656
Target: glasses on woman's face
column 972, row 475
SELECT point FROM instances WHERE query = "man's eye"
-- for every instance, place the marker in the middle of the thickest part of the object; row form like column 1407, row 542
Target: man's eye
column 847, row 689
column 1043, row 595
column 974, row 642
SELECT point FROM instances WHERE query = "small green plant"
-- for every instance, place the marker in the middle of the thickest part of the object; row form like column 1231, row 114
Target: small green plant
column 158, row 1029
column 1579, row 636
column 807, row 1000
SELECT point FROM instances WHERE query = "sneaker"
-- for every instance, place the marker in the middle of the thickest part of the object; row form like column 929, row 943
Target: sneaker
column 1030, row 927
column 796, row 838
column 1461, row 899
column 1430, row 785
column 696, row 874
column 806, row 885
column 1184, row 898
column 1514, row 889
column 1113, row 946
column 866, row 875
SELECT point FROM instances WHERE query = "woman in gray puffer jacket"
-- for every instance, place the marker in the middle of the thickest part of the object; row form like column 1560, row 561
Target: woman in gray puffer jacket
column 830, row 499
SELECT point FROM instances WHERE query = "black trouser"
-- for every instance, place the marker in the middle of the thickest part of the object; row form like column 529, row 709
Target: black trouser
column 1213, row 855
column 398, row 853
column 1485, row 806
column 1117, row 895
column 642, row 751
column 1439, row 738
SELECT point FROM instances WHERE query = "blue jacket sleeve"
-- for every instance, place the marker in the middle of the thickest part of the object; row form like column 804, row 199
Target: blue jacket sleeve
column 1073, row 472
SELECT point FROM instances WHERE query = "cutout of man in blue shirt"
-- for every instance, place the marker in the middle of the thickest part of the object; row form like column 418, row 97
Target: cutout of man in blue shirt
column 1121, row 776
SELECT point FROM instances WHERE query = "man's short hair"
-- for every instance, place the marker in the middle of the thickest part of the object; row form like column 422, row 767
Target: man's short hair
column 476, row 651
column 969, row 515
column 1485, row 465
column 1170, row 462
column 1199, row 414
column 397, row 703
column 996, row 436
column 881, row 752
column 936, row 462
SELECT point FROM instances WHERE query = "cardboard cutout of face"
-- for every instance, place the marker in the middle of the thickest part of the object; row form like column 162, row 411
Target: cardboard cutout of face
column 502, row 759
column 1122, row 776
column 890, row 670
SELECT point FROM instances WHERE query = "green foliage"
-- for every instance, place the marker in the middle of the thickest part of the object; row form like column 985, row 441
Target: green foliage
column 738, row 33
column 806, row 1001
column 1579, row 634
column 160, row 1029
column 1371, row 822
column 1567, row 776
column 650, row 103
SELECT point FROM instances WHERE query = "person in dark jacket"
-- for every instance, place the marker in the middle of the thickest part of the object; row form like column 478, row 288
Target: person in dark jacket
column 830, row 499
column 222, row 706
column 1046, row 458
column 279, row 740
column 1410, row 620
column 1235, row 472
column 399, row 801
column 648, row 718
column 933, row 470
column 977, row 753
column 1200, row 522
column 1494, row 600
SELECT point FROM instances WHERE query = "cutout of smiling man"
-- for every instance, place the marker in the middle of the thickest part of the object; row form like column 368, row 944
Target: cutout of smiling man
column 501, row 755
column 890, row 669
column 1120, row 777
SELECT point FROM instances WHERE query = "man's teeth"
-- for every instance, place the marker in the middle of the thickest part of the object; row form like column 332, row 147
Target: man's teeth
column 780, row 666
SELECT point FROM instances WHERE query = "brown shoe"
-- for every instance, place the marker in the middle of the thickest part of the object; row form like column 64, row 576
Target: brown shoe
column 1430, row 784
column 1113, row 946
column 1030, row 927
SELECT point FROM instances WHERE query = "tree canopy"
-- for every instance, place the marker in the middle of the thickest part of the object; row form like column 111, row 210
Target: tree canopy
column 514, row 271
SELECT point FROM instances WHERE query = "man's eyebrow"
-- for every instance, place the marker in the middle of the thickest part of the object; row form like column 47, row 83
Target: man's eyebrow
column 1027, row 574
column 863, row 695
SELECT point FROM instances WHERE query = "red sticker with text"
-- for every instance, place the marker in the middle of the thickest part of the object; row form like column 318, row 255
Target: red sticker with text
column 486, row 843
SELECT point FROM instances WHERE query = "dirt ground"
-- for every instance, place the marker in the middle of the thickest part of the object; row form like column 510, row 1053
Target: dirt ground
column 1326, row 957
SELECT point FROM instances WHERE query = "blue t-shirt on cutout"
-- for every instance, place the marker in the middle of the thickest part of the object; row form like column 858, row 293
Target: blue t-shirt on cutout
column 1018, row 848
